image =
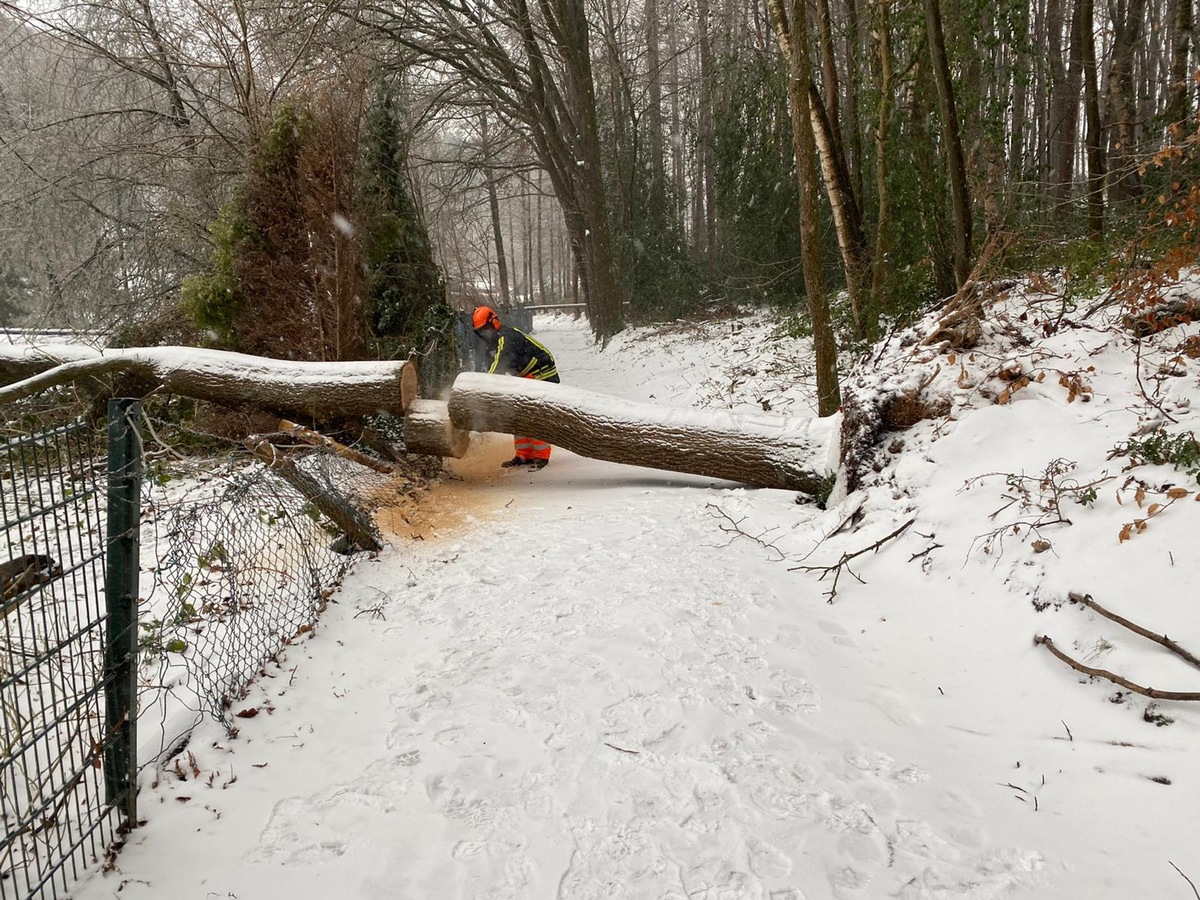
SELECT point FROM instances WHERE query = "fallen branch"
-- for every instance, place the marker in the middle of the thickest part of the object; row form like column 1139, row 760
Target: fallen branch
column 1075, row 664
column 316, row 439
column 622, row 749
column 1185, row 878
column 735, row 528
column 837, row 567
column 1086, row 600
column 351, row 522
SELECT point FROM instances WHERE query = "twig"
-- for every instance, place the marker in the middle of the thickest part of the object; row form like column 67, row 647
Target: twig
column 622, row 749
column 1086, row 600
column 735, row 528
column 925, row 552
column 1075, row 664
column 837, row 567
column 1070, row 737
column 1185, row 878
column 1142, row 387
column 842, row 524
column 316, row 439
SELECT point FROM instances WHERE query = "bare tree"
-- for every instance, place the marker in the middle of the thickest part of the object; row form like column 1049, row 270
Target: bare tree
column 534, row 67
column 960, row 205
column 791, row 32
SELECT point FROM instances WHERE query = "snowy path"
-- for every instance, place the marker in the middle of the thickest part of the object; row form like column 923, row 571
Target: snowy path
column 555, row 696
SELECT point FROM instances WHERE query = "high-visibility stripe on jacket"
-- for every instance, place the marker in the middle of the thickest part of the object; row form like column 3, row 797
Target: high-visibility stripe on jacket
column 519, row 354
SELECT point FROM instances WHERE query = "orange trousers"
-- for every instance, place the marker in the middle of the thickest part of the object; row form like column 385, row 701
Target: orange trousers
column 530, row 448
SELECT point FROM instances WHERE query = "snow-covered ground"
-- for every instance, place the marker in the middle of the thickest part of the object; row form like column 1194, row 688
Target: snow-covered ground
column 599, row 681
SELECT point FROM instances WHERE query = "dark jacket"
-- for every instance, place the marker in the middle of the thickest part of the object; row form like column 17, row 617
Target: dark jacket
column 516, row 353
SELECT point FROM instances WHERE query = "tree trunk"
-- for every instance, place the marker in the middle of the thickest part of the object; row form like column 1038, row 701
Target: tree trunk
column 847, row 226
column 960, row 198
column 353, row 523
column 1124, row 181
column 1064, row 116
column 318, row 391
column 1095, row 134
column 497, row 238
column 883, row 226
column 1177, row 98
column 654, row 117
column 791, row 31
column 854, row 145
column 706, row 193
column 772, row 452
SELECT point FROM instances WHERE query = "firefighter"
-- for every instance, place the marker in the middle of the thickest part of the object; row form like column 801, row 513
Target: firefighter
column 516, row 353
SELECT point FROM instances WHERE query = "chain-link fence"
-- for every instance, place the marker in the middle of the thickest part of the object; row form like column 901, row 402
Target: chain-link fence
column 237, row 557
column 244, row 564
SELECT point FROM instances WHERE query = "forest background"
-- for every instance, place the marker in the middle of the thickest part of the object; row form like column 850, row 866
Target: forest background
column 329, row 180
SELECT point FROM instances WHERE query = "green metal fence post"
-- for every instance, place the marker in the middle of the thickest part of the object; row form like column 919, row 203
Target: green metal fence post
column 120, row 589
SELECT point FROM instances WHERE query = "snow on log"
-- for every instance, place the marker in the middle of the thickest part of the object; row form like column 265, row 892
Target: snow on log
column 318, row 390
column 428, row 430
column 765, row 451
column 19, row 360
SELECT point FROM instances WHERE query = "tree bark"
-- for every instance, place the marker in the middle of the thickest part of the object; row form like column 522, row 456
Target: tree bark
column 654, row 117
column 310, row 390
column 1124, row 181
column 883, row 227
column 494, row 211
column 772, row 452
column 706, row 193
column 1064, row 115
column 960, row 198
column 847, row 225
column 791, row 32
column 1095, row 134
column 1177, row 102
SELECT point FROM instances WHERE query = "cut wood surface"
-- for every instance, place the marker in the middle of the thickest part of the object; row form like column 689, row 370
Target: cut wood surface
column 428, row 430
column 317, row 390
column 765, row 451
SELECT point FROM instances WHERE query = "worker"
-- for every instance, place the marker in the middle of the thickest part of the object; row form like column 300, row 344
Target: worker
column 516, row 353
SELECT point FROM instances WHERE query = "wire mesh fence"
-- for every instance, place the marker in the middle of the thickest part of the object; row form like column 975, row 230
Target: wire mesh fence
column 56, row 815
column 235, row 563
column 244, row 564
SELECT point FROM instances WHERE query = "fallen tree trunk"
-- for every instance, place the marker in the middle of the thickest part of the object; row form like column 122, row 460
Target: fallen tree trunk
column 20, row 361
column 772, row 452
column 428, row 430
column 314, row 390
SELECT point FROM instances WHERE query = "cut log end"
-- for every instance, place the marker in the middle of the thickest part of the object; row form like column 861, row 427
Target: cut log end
column 428, row 430
column 410, row 385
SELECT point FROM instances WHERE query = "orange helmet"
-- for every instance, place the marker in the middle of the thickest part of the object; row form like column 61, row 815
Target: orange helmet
column 484, row 316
